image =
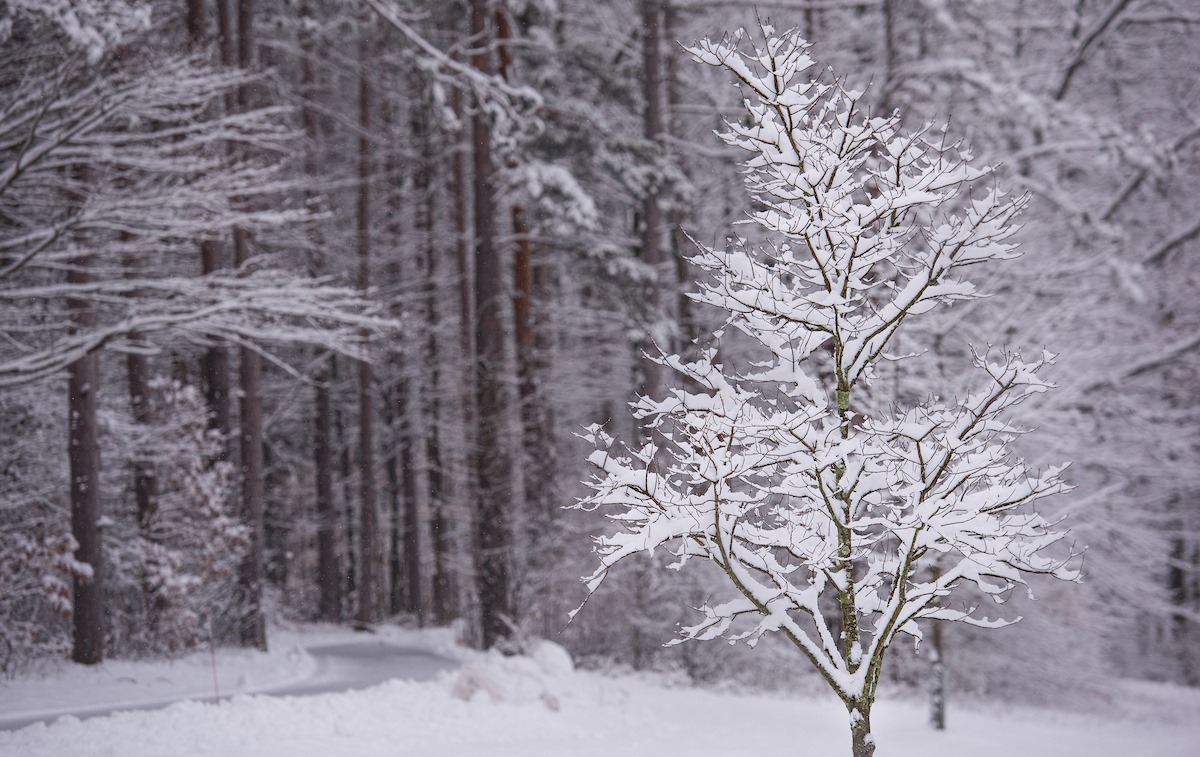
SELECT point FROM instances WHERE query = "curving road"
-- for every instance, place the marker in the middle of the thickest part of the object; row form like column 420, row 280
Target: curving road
column 343, row 666
column 349, row 666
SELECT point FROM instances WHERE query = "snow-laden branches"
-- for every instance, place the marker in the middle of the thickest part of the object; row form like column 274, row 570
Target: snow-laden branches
column 121, row 167
column 508, row 104
column 134, row 151
column 838, row 529
column 258, row 308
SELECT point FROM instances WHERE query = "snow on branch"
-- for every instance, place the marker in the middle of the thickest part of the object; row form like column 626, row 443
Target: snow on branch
column 510, row 102
column 261, row 307
column 771, row 469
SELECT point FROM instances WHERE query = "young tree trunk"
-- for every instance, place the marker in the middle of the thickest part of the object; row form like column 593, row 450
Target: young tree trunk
column 862, row 743
column 368, row 524
column 87, row 592
column 252, row 627
column 493, row 460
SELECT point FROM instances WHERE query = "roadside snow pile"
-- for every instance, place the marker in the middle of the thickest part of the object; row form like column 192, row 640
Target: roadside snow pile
column 508, row 713
column 517, row 679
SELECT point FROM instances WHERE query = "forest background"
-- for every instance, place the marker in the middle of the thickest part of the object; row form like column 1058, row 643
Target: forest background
column 304, row 305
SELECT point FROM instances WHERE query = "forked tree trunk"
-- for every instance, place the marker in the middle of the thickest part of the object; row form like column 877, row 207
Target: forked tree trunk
column 87, row 592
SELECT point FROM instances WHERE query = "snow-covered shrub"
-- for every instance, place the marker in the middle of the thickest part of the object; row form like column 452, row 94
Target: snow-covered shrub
column 175, row 565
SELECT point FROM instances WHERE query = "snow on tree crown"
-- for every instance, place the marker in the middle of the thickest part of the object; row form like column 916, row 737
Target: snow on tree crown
column 773, row 472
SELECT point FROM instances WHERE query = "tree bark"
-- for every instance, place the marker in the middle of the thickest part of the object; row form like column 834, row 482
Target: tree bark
column 214, row 365
column 141, row 402
column 369, row 518
column 862, row 743
column 328, row 571
column 652, row 247
column 431, row 407
column 445, row 599
column 87, row 592
column 937, row 696
column 329, row 603
column 493, row 461
column 252, row 626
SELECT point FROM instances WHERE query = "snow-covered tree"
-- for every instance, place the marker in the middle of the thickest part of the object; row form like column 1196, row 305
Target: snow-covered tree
column 839, row 524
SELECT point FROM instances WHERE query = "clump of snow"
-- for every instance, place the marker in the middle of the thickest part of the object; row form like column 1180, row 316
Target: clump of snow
column 520, row 679
column 552, row 658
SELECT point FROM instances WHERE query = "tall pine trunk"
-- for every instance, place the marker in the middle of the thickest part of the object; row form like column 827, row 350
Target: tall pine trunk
column 329, row 586
column 652, row 246
column 87, row 592
column 493, row 459
column 214, row 365
column 252, row 626
column 368, row 523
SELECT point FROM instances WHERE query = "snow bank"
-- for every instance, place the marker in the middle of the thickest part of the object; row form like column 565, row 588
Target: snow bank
column 508, row 715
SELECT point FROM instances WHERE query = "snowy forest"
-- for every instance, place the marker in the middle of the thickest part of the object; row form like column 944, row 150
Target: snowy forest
column 317, row 311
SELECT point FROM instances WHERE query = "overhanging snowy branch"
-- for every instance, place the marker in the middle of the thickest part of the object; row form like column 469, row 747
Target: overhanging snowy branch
column 264, row 307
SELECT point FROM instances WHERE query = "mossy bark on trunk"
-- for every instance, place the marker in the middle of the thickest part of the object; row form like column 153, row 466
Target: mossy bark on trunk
column 861, row 741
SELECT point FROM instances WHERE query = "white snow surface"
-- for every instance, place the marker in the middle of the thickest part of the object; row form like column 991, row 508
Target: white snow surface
column 537, row 706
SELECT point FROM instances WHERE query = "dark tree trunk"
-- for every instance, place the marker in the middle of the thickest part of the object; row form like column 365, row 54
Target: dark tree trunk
column 252, row 630
column 215, row 362
column 680, row 245
column 493, row 461
column 197, row 24
column 368, row 525
column 937, row 694
column 328, row 571
column 142, row 402
column 87, row 592
column 350, row 562
column 537, row 465
column 252, row 626
column 214, row 365
column 408, row 525
column 445, row 606
column 329, row 603
column 393, row 419
column 652, row 246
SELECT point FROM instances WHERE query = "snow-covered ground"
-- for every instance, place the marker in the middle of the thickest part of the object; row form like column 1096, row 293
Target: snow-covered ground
column 534, row 707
